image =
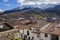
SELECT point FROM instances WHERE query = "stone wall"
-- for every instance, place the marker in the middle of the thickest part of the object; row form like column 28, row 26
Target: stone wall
column 9, row 35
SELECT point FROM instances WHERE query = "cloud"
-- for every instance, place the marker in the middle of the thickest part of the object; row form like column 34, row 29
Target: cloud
column 5, row 0
column 1, row 11
column 7, row 4
column 28, row 2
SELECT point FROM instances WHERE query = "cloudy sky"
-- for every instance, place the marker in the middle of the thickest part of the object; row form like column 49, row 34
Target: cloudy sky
column 27, row 2
column 10, row 4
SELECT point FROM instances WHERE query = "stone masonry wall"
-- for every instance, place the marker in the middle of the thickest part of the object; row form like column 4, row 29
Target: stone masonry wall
column 9, row 35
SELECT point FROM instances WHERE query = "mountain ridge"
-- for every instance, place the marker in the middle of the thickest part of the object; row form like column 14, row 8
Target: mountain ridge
column 46, row 7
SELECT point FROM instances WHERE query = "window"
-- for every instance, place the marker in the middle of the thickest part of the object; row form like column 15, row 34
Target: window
column 18, row 31
column 46, row 35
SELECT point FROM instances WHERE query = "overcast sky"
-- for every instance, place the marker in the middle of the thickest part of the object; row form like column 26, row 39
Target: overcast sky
column 28, row 2
column 10, row 4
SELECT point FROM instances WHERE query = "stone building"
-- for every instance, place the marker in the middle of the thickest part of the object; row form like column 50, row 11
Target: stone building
column 50, row 32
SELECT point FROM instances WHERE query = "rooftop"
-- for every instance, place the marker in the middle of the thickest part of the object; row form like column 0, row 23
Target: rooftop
column 52, row 28
column 5, row 27
column 26, row 24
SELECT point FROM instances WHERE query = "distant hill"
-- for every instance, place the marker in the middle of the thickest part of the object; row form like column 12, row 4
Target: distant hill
column 36, row 9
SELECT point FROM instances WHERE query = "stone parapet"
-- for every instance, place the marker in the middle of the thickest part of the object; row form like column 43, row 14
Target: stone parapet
column 9, row 35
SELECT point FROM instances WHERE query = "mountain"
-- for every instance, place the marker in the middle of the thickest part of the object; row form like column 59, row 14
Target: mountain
column 55, row 8
column 48, row 7
column 42, row 9
column 40, row 6
column 36, row 7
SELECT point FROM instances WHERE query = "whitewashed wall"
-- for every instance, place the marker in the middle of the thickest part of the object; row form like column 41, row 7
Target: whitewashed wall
column 1, row 26
column 59, row 37
column 42, row 36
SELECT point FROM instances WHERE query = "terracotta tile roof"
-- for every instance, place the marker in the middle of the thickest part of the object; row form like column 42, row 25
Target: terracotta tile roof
column 52, row 29
column 25, row 22
column 21, row 24
column 56, row 31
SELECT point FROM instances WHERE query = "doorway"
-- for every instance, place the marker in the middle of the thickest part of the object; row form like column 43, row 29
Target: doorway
column 55, row 37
